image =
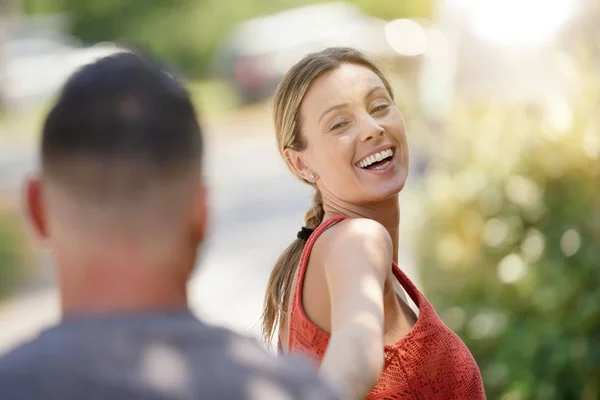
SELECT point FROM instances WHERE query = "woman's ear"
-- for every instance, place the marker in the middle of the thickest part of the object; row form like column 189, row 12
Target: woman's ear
column 296, row 162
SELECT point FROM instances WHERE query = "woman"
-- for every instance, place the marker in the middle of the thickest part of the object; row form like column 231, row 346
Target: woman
column 331, row 294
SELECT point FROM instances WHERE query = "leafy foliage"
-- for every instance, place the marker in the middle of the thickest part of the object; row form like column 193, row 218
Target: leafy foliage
column 12, row 252
column 510, row 245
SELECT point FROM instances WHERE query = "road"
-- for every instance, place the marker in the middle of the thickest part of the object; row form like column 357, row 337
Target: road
column 258, row 207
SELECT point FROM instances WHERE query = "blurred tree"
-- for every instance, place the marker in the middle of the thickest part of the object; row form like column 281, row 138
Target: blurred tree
column 392, row 9
column 185, row 32
column 510, row 245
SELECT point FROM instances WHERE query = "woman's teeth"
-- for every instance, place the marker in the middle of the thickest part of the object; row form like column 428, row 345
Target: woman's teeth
column 382, row 166
column 365, row 162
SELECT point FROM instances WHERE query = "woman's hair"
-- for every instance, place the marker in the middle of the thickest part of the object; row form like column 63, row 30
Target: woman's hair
column 288, row 99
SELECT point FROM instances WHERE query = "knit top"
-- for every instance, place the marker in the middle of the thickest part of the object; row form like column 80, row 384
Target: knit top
column 429, row 362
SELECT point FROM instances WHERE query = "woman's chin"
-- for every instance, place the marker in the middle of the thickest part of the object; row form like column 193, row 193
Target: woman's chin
column 382, row 193
column 395, row 184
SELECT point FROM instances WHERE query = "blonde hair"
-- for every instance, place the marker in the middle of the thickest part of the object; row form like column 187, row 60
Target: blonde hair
column 288, row 99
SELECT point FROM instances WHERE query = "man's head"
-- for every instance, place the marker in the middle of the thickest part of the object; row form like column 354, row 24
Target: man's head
column 121, row 179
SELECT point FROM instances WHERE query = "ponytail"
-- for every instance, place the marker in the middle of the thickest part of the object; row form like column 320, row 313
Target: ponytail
column 279, row 287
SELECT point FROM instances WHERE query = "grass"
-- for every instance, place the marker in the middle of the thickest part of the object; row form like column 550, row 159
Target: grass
column 15, row 252
column 213, row 98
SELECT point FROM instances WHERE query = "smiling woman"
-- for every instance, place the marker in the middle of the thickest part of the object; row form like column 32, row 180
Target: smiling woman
column 331, row 294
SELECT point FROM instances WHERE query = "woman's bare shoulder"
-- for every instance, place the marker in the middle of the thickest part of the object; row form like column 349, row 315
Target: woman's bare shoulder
column 355, row 239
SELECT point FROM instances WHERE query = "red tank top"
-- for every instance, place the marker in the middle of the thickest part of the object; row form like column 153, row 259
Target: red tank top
column 429, row 362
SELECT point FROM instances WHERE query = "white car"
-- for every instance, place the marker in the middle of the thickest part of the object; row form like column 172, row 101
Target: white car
column 259, row 51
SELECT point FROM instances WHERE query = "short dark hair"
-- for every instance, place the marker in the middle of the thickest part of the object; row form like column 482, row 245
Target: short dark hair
column 124, row 115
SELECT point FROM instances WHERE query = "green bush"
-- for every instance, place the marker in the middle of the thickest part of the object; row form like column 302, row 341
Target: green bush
column 12, row 252
column 510, row 244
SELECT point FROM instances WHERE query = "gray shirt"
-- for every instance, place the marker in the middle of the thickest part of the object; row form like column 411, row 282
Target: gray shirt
column 152, row 356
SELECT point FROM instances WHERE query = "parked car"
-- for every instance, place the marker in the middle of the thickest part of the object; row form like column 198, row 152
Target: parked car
column 259, row 52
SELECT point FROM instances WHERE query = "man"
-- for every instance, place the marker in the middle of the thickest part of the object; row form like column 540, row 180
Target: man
column 121, row 202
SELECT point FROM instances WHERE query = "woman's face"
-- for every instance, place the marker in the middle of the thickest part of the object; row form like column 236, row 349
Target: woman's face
column 355, row 136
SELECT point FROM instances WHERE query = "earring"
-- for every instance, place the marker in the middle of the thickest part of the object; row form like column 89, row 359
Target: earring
column 312, row 176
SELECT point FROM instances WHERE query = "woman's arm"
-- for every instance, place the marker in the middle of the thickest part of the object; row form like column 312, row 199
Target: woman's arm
column 356, row 263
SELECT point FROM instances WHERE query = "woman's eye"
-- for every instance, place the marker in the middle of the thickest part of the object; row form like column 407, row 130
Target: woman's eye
column 338, row 125
column 379, row 108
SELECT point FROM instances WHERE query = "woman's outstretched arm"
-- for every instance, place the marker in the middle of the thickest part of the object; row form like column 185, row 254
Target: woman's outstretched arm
column 356, row 264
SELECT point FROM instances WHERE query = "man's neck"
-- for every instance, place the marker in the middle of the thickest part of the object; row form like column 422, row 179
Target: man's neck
column 113, row 284
column 116, row 300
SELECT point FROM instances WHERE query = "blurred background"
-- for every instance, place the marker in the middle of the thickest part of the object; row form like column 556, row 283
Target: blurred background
column 500, row 218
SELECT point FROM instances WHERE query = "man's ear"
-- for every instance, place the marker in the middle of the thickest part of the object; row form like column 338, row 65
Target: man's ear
column 200, row 215
column 34, row 206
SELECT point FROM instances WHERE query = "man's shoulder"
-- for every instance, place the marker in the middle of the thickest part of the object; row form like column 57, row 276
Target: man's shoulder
column 22, row 357
column 18, row 366
column 261, row 372
column 215, row 360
